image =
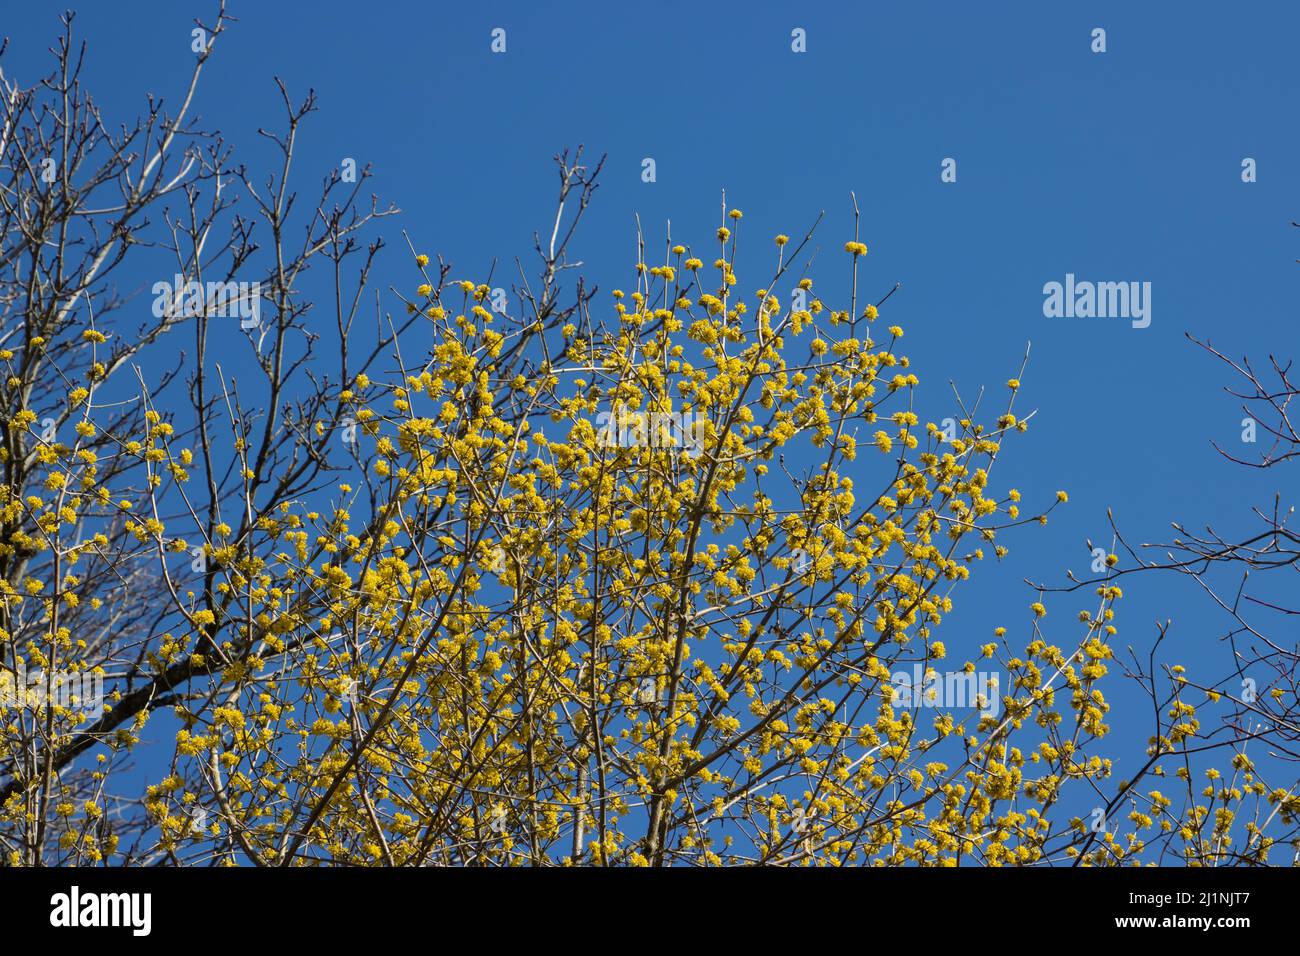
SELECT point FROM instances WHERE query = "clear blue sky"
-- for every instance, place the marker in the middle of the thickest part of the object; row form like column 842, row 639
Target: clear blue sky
column 1117, row 166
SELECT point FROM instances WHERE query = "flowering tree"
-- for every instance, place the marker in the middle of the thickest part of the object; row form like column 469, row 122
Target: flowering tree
column 656, row 578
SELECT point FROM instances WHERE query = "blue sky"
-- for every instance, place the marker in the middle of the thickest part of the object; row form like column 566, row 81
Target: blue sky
column 1118, row 166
